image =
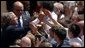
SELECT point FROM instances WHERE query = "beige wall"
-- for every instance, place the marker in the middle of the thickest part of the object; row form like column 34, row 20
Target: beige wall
column 3, row 6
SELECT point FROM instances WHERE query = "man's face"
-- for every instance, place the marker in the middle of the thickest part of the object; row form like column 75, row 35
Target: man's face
column 41, row 16
column 18, row 10
column 57, row 11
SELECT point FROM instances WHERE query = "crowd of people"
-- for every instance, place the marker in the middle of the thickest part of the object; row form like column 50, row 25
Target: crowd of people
column 43, row 24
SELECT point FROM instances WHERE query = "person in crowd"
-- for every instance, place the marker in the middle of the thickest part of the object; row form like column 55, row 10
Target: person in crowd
column 35, row 36
column 46, row 12
column 78, row 13
column 31, row 35
column 39, row 21
column 60, row 37
column 80, row 7
column 58, row 9
column 23, row 16
column 65, row 13
column 32, row 38
column 74, row 31
column 9, row 36
column 62, row 15
column 51, row 39
column 25, row 42
column 20, row 29
column 23, row 20
column 81, row 25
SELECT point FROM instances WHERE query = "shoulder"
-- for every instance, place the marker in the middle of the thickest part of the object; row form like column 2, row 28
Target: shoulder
column 26, row 13
column 66, row 43
column 76, row 40
column 10, row 27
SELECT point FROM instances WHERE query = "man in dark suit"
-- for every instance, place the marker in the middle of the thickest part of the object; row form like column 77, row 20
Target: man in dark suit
column 12, row 32
column 23, row 16
column 23, row 19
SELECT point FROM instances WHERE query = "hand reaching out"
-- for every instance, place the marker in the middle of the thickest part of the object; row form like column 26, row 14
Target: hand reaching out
column 47, row 12
column 38, row 42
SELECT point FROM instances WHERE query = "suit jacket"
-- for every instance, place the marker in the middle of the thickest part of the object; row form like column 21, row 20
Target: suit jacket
column 10, row 33
column 26, row 19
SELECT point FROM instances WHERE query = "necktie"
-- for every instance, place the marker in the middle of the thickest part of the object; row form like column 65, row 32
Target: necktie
column 19, row 23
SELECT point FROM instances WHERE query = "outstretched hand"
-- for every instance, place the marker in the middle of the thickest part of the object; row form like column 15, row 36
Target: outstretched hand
column 38, row 42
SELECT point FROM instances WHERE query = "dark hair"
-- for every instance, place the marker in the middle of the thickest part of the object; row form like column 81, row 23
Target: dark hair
column 60, row 32
column 5, row 17
column 10, row 5
column 47, row 5
column 33, row 5
column 75, row 29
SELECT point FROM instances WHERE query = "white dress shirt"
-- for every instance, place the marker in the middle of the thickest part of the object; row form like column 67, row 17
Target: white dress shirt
column 77, row 39
column 21, row 21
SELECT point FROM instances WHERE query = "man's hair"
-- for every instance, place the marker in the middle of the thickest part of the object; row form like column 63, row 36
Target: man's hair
column 60, row 32
column 58, row 5
column 45, row 44
column 75, row 29
column 6, row 17
column 47, row 5
column 16, row 3
column 26, row 40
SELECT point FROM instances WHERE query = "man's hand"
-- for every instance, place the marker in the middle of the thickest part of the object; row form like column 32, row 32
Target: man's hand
column 47, row 13
column 38, row 42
